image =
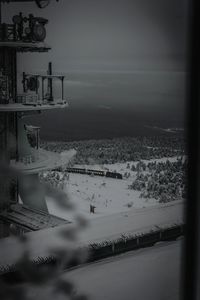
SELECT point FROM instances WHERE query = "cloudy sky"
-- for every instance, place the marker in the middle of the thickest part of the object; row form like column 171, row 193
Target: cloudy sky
column 125, row 53
column 114, row 34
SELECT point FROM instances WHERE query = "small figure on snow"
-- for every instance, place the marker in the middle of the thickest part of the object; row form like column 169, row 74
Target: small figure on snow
column 92, row 208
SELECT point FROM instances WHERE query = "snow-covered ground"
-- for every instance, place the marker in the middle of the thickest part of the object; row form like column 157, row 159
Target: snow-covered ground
column 152, row 273
column 109, row 227
column 111, row 220
column 108, row 195
column 147, row 274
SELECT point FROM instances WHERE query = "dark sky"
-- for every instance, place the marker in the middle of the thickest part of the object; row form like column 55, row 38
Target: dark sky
column 116, row 52
column 114, row 34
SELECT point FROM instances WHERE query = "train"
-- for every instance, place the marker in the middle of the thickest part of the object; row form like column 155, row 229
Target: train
column 95, row 172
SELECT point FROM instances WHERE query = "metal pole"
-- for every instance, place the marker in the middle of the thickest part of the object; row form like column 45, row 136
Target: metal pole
column 37, row 88
column 24, row 80
column 17, row 145
column 42, row 89
column 38, row 138
column 62, row 78
column 0, row 13
column 50, row 82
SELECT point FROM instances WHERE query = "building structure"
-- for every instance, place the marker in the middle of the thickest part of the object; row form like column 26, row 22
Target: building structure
column 19, row 142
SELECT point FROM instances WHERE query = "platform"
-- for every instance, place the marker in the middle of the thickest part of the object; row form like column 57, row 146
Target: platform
column 25, row 46
column 30, row 219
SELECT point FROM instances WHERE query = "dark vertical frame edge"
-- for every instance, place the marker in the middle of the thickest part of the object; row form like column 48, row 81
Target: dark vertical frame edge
column 190, row 255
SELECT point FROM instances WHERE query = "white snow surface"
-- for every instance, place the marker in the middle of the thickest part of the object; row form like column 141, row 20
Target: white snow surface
column 102, row 229
column 148, row 274
column 110, row 221
column 109, row 196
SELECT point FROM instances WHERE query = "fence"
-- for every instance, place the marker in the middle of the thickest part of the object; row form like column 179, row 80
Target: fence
column 106, row 249
column 124, row 244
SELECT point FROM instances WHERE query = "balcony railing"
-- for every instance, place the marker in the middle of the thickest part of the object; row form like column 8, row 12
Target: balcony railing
column 8, row 33
column 35, row 100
